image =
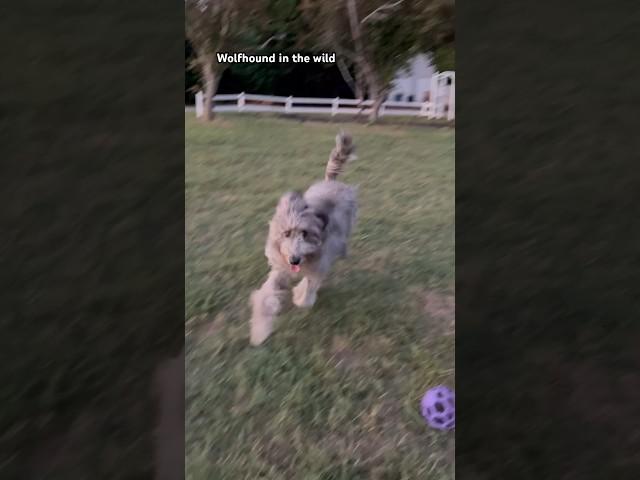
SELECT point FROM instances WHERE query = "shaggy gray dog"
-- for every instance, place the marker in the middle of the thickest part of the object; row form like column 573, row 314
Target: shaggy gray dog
column 306, row 235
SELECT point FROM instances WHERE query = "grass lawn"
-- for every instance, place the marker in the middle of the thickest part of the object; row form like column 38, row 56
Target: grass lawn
column 335, row 392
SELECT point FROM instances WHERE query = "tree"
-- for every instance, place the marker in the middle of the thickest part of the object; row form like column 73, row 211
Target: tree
column 436, row 31
column 375, row 38
column 214, row 26
column 445, row 58
column 370, row 35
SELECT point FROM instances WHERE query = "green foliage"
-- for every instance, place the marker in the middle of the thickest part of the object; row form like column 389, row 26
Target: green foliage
column 445, row 58
column 191, row 76
column 262, row 77
column 434, row 23
column 278, row 27
column 214, row 26
column 392, row 46
column 390, row 37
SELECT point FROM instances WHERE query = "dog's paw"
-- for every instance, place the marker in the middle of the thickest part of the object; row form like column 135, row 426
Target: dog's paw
column 309, row 301
column 261, row 329
column 302, row 299
column 299, row 292
column 257, row 339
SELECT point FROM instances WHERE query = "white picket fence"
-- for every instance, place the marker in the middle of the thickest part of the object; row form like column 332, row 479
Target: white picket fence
column 440, row 105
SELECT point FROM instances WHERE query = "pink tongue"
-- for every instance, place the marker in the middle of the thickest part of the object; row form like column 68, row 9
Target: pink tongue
column 295, row 268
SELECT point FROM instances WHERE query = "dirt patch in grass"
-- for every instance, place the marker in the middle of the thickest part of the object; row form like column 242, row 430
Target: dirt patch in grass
column 441, row 312
column 377, row 261
column 344, row 356
column 215, row 327
column 206, row 325
column 369, row 449
column 279, row 452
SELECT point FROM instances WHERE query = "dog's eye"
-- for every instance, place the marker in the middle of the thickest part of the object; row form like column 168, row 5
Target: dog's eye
column 304, row 234
column 287, row 233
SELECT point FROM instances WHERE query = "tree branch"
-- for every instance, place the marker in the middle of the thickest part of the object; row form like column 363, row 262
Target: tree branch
column 379, row 11
column 279, row 36
column 344, row 70
column 361, row 60
column 356, row 34
column 346, row 53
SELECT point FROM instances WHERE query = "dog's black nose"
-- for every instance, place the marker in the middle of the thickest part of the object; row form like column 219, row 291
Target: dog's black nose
column 294, row 260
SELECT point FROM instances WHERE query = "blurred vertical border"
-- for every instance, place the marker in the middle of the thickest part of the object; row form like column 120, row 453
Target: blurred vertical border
column 547, row 273
column 92, row 139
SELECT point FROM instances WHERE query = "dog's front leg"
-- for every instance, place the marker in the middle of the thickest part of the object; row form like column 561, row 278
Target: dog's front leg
column 306, row 292
column 266, row 304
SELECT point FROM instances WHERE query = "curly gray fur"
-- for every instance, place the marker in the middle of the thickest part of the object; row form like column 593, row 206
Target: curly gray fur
column 307, row 234
column 342, row 153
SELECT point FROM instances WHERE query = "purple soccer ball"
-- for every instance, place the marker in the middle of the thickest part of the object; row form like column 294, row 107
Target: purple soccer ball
column 438, row 407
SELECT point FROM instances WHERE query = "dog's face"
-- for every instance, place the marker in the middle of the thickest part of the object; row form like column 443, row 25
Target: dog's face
column 297, row 230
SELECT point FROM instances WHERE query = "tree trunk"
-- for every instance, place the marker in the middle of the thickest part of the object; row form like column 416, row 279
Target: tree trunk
column 375, row 108
column 211, row 85
column 360, row 91
column 365, row 67
column 360, row 87
column 346, row 75
column 377, row 95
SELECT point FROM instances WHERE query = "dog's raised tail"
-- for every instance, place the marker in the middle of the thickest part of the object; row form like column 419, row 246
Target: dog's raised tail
column 340, row 155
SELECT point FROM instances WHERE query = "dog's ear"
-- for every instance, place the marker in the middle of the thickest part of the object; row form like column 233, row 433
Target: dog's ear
column 291, row 197
column 291, row 202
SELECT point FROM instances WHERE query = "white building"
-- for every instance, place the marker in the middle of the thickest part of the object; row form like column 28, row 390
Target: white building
column 413, row 83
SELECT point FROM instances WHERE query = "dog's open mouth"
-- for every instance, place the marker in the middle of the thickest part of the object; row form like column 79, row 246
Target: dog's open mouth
column 294, row 268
